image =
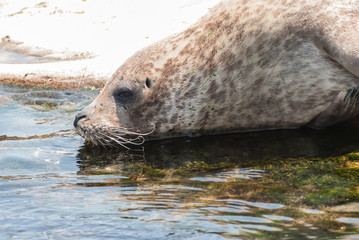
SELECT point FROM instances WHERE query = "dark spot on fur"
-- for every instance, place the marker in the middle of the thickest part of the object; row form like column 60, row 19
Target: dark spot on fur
column 191, row 92
column 212, row 88
column 174, row 118
column 216, row 93
column 249, row 52
column 264, row 61
column 275, row 42
column 258, row 81
column 163, row 120
column 288, row 45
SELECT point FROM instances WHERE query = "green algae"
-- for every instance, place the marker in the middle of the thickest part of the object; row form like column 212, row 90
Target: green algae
column 316, row 182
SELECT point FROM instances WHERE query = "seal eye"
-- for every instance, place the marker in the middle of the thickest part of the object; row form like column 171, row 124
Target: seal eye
column 124, row 94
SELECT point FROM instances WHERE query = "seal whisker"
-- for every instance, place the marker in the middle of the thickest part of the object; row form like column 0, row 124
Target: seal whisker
column 99, row 140
column 133, row 142
column 129, row 141
column 118, row 141
column 123, row 137
column 90, row 138
column 126, row 136
column 122, row 145
column 126, row 131
column 108, row 142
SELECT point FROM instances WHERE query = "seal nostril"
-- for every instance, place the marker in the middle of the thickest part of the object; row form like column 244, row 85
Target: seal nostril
column 78, row 118
column 148, row 83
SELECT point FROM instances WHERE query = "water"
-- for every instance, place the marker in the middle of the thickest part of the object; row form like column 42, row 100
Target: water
column 263, row 185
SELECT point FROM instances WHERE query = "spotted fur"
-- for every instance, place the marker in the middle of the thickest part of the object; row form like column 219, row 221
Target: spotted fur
column 245, row 66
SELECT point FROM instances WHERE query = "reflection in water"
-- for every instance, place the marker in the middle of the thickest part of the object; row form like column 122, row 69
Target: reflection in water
column 262, row 185
column 238, row 148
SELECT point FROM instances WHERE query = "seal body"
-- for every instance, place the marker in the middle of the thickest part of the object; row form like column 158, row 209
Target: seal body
column 245, row 66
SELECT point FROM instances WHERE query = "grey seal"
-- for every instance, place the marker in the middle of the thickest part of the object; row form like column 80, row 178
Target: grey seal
column 245, row 66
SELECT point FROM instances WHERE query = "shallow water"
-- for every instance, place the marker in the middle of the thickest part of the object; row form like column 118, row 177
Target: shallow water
column 249, row 186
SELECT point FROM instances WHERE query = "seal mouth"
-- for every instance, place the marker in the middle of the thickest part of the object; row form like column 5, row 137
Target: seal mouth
column 114, row 137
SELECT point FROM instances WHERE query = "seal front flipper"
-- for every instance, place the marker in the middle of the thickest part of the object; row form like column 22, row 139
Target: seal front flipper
column 344, row 107
column 352, row 95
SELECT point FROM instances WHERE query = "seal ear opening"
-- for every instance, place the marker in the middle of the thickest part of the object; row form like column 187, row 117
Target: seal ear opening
column 148, row 83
